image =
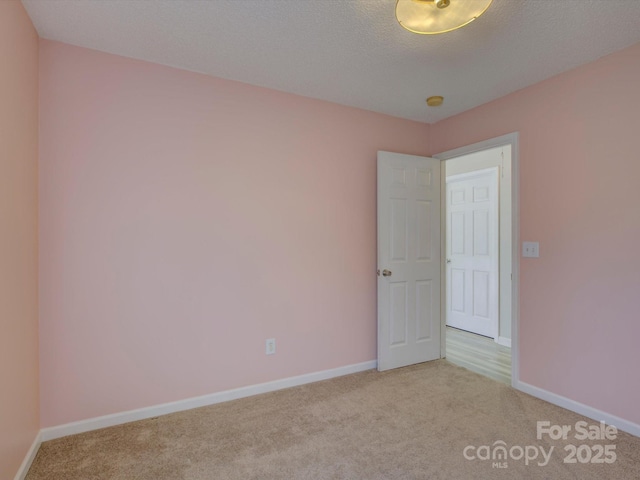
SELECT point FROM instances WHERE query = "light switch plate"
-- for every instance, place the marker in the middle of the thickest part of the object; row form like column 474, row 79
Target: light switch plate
column 530, row 249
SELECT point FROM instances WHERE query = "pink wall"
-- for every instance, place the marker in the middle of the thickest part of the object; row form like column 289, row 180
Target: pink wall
column 580, row 195
column 19, row 422
column 185, row 219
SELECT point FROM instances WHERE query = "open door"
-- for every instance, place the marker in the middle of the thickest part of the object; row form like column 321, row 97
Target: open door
column 408, row 260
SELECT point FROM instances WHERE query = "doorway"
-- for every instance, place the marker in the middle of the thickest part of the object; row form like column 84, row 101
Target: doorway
column 469, row 290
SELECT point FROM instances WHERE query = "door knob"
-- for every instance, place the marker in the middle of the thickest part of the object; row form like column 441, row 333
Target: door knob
column 386, row 273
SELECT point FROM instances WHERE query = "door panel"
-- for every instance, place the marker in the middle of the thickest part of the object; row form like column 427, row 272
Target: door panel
column 398, row 316
column 409, row 253
column 472, row 252
column 424, row 309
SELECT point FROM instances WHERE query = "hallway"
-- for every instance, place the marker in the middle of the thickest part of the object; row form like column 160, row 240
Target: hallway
column 479, row 354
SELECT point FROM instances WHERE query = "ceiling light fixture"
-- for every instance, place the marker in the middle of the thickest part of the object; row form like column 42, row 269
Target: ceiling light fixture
column 429, row 17
column 435, row 101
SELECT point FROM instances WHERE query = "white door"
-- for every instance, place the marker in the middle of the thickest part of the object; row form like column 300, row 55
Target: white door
column 472, row 252
column 408, row 260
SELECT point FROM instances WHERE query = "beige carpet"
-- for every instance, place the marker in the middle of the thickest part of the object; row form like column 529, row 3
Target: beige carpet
column 410, row 423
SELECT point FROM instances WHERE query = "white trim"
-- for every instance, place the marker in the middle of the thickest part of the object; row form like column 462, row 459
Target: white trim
column 577, row 407
column 504, row 341
column 508, row 139
column 195, row 402
column 29, row 457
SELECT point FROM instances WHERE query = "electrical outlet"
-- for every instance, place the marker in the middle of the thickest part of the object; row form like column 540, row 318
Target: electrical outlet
column 270, row 346
column 530, row 249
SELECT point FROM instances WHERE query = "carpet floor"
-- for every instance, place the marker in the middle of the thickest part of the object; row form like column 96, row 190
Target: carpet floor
column 429, row 421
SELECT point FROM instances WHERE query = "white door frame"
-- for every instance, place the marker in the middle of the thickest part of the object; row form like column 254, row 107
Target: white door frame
column 512, row 140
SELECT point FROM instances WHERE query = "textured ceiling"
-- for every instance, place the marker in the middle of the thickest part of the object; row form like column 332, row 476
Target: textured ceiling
column 351, row 52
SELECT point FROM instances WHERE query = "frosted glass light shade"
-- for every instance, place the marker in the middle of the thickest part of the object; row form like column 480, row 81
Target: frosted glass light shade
column 429, row 17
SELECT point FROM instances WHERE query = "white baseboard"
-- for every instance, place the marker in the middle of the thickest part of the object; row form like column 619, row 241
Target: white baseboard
column 28, row 459
column 81, row 426
column 577, row 407
column 504, row 341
